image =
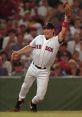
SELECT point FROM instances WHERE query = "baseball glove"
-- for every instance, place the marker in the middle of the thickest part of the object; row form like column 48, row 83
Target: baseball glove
column 67, row 9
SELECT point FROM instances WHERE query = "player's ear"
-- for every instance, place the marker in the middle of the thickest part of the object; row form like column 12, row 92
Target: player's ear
column 54, row 32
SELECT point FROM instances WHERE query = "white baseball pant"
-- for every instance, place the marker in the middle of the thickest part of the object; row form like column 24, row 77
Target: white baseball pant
column 42, row 78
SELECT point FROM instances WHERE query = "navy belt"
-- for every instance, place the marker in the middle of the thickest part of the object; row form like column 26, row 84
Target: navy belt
column 39, row 67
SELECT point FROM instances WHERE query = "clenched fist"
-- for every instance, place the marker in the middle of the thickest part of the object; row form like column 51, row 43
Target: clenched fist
column 14, row 55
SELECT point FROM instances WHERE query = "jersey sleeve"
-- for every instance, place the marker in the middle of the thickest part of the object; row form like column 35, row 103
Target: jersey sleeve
column 56, row 39
column 33, row 42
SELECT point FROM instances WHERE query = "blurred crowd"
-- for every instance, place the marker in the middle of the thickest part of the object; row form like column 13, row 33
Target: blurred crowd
column 22, row 20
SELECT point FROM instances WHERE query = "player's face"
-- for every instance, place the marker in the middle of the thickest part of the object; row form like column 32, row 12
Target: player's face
column 48, row 33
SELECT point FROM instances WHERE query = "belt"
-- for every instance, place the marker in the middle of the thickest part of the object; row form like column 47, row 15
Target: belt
column 39, row 67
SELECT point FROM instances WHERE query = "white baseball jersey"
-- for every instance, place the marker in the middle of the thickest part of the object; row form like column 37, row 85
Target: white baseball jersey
column 44, row 51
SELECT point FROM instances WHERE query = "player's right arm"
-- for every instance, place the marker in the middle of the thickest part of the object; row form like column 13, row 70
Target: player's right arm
column 24, row 50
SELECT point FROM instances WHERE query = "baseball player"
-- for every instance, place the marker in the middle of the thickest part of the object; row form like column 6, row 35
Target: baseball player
column 44, row 49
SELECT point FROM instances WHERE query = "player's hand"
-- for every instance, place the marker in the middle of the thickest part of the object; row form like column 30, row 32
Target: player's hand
column 67, row 9
column 14, row 55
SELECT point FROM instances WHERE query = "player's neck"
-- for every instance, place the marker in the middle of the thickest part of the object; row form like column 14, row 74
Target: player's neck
column 47, row 38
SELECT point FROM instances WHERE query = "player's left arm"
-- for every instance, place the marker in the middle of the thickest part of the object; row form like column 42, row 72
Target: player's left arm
column 64, row 29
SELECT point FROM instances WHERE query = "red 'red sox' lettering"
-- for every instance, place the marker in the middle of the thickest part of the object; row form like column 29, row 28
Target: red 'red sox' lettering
column 49, row 49
column 38, row 46
column 46, row 48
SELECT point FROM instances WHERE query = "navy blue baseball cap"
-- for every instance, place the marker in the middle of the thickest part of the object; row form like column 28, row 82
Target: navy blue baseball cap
column 49, row 25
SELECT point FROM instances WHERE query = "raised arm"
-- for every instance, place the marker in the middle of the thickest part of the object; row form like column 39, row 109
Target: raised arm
column 68, row 11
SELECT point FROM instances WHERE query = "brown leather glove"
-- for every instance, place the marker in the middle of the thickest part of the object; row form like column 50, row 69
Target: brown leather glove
column 67, row 9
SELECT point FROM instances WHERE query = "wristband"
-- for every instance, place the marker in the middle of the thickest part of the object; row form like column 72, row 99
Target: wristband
column 65, row 24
